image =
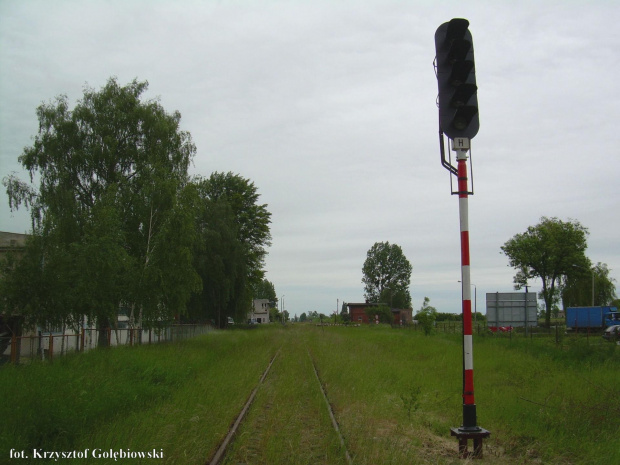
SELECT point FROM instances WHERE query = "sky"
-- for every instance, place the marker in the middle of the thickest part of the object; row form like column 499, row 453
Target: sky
column 329, row 108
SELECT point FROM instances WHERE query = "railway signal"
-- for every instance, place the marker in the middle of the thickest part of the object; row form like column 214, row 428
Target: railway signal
column 456, row 79
column 458, row 119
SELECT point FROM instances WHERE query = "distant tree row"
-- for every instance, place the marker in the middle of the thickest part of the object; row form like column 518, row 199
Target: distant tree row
column 118, row 222
column 313, row 316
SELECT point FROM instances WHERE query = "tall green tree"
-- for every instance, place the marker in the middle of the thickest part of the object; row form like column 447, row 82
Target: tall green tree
column 549, row 250
column 219, row 260
column 386, row 275
column 584, row 284
column 252, row 218
column 109, row 214
column 344, row 313
column 265, row 290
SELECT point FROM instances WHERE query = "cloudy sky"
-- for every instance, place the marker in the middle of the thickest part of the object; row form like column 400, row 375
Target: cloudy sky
column 329, row 108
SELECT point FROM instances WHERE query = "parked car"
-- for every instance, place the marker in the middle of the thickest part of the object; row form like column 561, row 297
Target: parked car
column 231, row 321
column 501, row 329
column 612, row 333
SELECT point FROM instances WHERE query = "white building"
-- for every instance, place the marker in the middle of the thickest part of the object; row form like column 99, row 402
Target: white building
column 260, row 312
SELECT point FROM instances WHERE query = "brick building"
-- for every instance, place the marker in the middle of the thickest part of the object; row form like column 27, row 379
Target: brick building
column 357, row 312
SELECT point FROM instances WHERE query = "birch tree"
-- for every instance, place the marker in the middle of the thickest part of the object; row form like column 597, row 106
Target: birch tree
column 108, row 213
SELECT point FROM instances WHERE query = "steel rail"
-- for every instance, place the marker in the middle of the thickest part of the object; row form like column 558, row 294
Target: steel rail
column 224, row 445
column 331, row 412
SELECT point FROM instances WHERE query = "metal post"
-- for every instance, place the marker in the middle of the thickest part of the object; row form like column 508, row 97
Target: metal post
column 51, row 347
column 469, row 429
column 592, row 270
column 475, row 304
column 13, row 348
column 469, row 406
column 526, row 286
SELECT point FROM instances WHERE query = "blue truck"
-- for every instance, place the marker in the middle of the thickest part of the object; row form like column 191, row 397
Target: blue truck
column 588, row 318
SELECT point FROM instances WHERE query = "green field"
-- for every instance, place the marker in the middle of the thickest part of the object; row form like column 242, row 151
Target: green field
column 394, row 392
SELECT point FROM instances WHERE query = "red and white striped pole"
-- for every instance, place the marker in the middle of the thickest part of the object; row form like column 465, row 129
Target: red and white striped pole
column 469, row 405
column 469, row 429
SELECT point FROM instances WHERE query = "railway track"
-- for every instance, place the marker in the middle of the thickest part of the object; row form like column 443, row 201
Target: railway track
column 287, row 418
column 221, row 451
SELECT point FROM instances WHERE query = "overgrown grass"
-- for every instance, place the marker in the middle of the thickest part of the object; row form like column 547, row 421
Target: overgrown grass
column 177, row 397
column 372, row 374
column 395, row 393
column 50, row 405
column 541, row 401
column 289, row 422
column 560, row 403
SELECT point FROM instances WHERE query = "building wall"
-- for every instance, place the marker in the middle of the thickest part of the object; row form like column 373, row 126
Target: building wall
column 404, row 315
column 260, row 312
column 357, row 313
column 12, row 242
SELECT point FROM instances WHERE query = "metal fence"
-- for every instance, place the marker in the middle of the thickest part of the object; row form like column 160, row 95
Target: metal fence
column 47, row 345
column 556, row 332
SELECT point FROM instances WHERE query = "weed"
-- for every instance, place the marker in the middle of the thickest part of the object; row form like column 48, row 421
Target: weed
column 411, row 400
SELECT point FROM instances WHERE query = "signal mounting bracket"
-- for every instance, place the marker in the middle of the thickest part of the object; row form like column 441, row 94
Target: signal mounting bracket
column 459, row 145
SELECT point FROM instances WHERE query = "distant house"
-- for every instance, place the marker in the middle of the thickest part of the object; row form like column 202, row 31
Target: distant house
column 357, row 312
column 260, row 311
column 14, row 242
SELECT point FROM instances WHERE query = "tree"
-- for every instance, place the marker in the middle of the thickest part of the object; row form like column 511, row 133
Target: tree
column 426, row 316
column 344, row 313
column 274, row 314
column 549, row 250
column 386, row 275
column 252, row 218
column 109, row 218
column 219, row 260
column 583, row 284
column 265, row 290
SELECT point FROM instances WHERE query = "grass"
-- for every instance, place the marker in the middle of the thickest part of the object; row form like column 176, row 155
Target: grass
column 289, row 422
column 542, row 402
column 395, row 393
column 177, row 397
column 558, row 403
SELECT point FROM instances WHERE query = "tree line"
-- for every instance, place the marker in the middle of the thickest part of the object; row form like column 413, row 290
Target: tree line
column 118, row 222
column 553, row 251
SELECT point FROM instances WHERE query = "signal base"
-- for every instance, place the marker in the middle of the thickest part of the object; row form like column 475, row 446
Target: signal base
column 463, row 435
